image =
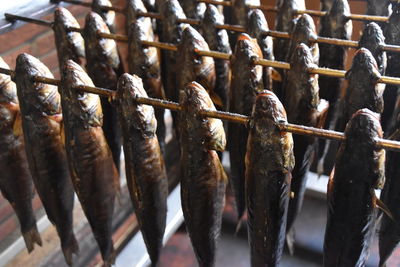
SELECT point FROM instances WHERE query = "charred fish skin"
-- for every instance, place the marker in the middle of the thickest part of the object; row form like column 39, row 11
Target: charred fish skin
column 218, row 40
column 144, row 62
column 363, row 89
column 359, row 169
column 203, row 180
column 194, row 67
column 373, row 40
column 257, row 25
column 70, row 45
column 246, row 83
column 193, row 9
column 94, row 174
column 389, row 234
column 104, row 67
column 392, row 37
column 269, row 162
column 15, row 180
column 107, row 15
column 145, row 170
column 41, row 122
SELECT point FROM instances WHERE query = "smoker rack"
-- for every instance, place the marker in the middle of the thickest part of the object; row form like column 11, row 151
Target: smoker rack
column 175, row 218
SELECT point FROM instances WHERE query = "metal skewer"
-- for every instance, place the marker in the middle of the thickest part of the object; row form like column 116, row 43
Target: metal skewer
column 227, row 116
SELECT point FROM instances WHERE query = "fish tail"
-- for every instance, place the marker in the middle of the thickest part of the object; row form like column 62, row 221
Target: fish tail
column 290, row 238
column 70, row 247
column 31, row 237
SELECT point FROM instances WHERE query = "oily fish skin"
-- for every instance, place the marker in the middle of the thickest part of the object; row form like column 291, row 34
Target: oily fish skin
column 107, row 15
column 15, row 180
column 93, row 172
column 41, row 122
column 145, row 170
column 269, row 162
column 203, row 179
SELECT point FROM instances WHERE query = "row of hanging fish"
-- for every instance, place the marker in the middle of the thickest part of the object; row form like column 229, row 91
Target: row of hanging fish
column 92, row 140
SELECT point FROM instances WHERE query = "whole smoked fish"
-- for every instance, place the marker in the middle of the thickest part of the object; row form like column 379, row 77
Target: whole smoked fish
column 145, row 170
column 203, row 179
column 373, row 39
column 389, row 232
column 107, row 15
column 256, row 27
column 104, row 67
column 218, row 40
column 359, row 169
column 93, row 172
column 246, row 83
column 144, row 62
column 70, row 45
column 363, row 89
column 334, row 24
column 41, row 122
column 269, row 161
column 15, row 179
column 304, row 107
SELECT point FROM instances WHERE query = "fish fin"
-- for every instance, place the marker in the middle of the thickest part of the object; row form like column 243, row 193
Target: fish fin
column 276, row 76
column 17, row 127
column 322, row 110
column 216, row 99
column 290, row 238
column 378, row 203
column 71, row 248
column 31, row 237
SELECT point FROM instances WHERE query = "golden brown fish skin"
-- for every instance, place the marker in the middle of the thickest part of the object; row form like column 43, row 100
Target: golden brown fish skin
column 104, row 67
column 203, row 180
column 145, row 170
column 218, row 40
column 246, row 83
column 373, row 39
column 93, row 172
column 191, row 66
column 257, row 25
column 269, row 162
column 107, row 15
column 359, row 169
column 15, row 180
column 41, row 121
column 301, row 104
column 144, row 62
column 193, row 9
column 363, row 89
column 70, row 45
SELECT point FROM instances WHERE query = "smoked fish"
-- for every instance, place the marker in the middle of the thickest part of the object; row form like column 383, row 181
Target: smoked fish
column 269, row 161
column 132, row 8
column 70, row 45
column 373, row 39
column 363, row 89
column 41, row 123
column 326, row 5
column 93, row 173
column 359, row 169
column 193, row 67
column 218, row 40
column 378, row 7
column 246, row 83
column 193, row 9
column 15, row 179
column 145, row 170
column 392, row 37
column 107, row 15
column 333, row 25
column 203, row 179
column 285, row 21
column 304, row 107
column 144, row 62
column 256, row 27
column 104, row 67
column 389, row 232
column 240, row 11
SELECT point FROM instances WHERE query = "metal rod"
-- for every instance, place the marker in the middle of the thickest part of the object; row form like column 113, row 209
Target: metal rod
column 89, row 4
column 227, row 116
column 13, row 18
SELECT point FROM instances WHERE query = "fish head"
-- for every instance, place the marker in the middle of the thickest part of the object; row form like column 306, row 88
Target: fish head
column 207, row 131
column 193, row 8
column 392, row 28
column 139, row 115
column 63, row 20
column 217, row 39
column 132, row 8
column 364, row 62
column 212, row 16
column 107, row 15
column 302, row 59
column 97, row 47
column 338, row 17
column 372, row 37
column 304, row 32
column 8, row 89
column 256, row 24
column 171, row 11
column 286, row 14
column 35, row 96
column 85, row 106
column 379, row 7
column 326, row 5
